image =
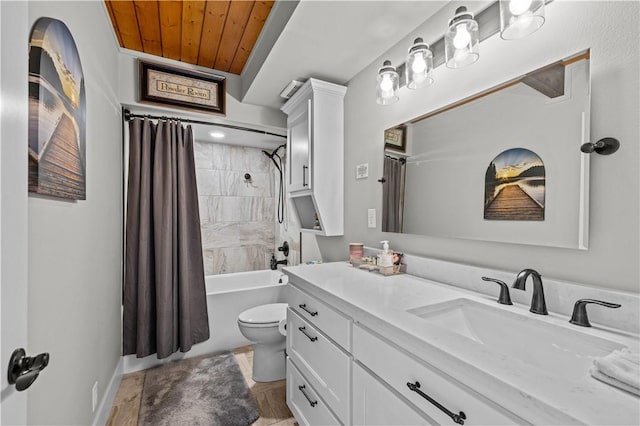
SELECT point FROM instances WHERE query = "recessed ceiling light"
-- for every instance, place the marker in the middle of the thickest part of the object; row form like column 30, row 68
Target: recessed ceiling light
column 217, row 135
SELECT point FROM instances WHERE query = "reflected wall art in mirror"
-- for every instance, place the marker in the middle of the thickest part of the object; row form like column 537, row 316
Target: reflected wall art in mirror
column 502, row 165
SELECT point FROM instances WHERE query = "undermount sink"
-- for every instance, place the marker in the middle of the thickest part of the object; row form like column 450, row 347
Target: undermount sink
column 556, row 349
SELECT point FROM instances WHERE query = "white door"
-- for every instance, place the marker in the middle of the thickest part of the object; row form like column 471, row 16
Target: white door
column 14, row 39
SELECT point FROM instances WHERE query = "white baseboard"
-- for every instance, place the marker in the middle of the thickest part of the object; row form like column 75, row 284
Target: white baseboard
column 102, row 413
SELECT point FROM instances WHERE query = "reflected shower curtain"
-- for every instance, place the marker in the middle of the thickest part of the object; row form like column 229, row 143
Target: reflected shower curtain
column 392, row 194
column 164, row 291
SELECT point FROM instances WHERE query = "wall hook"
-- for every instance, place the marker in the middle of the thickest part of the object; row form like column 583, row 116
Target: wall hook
column 605, row 146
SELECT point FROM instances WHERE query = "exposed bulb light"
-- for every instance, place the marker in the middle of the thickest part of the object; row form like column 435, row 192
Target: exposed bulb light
column 462, row 38
column 387, row 87
column 520, row 18
column 419, row 65
column 461, row 41
column 216, row 135
column 518, row 7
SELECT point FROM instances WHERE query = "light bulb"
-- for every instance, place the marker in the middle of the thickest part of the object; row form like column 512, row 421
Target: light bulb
column 462, row 37
column 518, row 7
column 419, row 64
column 386, row 84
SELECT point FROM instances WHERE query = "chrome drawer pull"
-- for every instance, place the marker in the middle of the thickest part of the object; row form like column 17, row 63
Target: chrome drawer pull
column 458, row 418
column 303, row 306
column 302, row 329
column 311, row 402
column 304, row 175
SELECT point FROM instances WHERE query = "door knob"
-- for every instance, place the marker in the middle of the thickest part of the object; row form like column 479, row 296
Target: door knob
column 24, row 370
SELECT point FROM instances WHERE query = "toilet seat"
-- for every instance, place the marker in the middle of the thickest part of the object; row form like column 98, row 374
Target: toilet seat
column 264, row 315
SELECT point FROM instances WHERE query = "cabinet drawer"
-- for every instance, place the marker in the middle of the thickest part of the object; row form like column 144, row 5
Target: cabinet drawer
column 375, row 404
column 324, row 364
column 397, row 369
column 332, row 323
column 307, row 407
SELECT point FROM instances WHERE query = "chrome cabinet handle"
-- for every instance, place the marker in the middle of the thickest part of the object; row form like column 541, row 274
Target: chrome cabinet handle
column 304, row 175
column 303, row 306
column 311, row 401
column 458, row 418
column 579, row 316
column 312, row 338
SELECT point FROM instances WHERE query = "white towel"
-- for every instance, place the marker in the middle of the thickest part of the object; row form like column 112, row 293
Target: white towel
column 613, row 382
column 621, row 368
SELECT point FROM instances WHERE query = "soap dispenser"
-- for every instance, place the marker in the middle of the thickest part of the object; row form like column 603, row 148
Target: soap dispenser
column 386, row 257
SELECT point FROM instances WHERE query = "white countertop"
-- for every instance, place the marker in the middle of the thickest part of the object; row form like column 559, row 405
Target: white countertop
column 541, row 397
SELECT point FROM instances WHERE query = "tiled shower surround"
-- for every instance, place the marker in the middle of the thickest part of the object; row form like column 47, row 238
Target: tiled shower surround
column 237, row 217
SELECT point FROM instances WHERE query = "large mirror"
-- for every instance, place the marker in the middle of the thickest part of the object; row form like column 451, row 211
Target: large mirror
column 502, row 165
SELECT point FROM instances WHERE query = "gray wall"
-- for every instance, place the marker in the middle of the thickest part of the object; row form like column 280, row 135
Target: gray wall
column 75, row 247
column 611, row 30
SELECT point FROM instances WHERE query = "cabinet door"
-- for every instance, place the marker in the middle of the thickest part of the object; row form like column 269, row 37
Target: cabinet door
column 299, row 150
column 305, row 404
column 375, row 404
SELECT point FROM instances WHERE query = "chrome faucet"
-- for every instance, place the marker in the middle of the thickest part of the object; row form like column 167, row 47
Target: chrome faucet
column 538, row 305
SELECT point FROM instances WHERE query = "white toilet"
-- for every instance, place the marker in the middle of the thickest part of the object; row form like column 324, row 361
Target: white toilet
column 260, row 325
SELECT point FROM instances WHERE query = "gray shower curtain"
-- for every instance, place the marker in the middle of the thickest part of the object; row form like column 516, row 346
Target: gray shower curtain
column 165, row 306
column 392, row 194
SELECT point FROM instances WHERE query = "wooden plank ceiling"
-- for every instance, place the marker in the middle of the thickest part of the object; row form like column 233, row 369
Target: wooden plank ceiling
column 215, row 34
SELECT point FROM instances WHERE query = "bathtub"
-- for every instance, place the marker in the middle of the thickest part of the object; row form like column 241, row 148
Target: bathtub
column 227, row 296
column 230, row 294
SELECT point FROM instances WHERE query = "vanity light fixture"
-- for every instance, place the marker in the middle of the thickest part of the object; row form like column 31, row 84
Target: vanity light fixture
column 419, row 66
column 388, row 84
column 460, row 45
column 461, row 41
column 216, row 135
column 519, row 18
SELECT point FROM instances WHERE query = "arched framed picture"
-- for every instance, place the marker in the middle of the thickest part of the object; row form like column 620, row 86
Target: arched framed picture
column 57, row 113
column 515, row 186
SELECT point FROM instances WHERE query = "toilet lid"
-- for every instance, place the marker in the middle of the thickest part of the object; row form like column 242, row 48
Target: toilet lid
column 264, row 314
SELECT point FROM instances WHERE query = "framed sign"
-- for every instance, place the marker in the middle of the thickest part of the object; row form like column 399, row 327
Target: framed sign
column 396, row 139
column 187, row 89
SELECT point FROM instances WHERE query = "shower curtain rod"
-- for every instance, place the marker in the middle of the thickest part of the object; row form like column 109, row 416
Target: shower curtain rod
column 128, row 116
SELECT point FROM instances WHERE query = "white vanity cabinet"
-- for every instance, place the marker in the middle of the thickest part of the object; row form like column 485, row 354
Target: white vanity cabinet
column 397, row 369
column 315, row 145
column 375, row 404
column 319, row 361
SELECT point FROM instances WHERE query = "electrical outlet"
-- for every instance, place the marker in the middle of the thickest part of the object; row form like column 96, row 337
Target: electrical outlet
column 94, row 397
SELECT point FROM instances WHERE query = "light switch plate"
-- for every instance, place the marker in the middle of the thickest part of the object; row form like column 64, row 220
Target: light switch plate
column 362, row 171
column 371, row 218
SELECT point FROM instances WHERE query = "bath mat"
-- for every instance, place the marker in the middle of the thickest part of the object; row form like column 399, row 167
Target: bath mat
column 207, row 390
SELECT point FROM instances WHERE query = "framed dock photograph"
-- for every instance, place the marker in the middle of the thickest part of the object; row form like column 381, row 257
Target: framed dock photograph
column 515, row 186
column 161, row 84
column 57, row 113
